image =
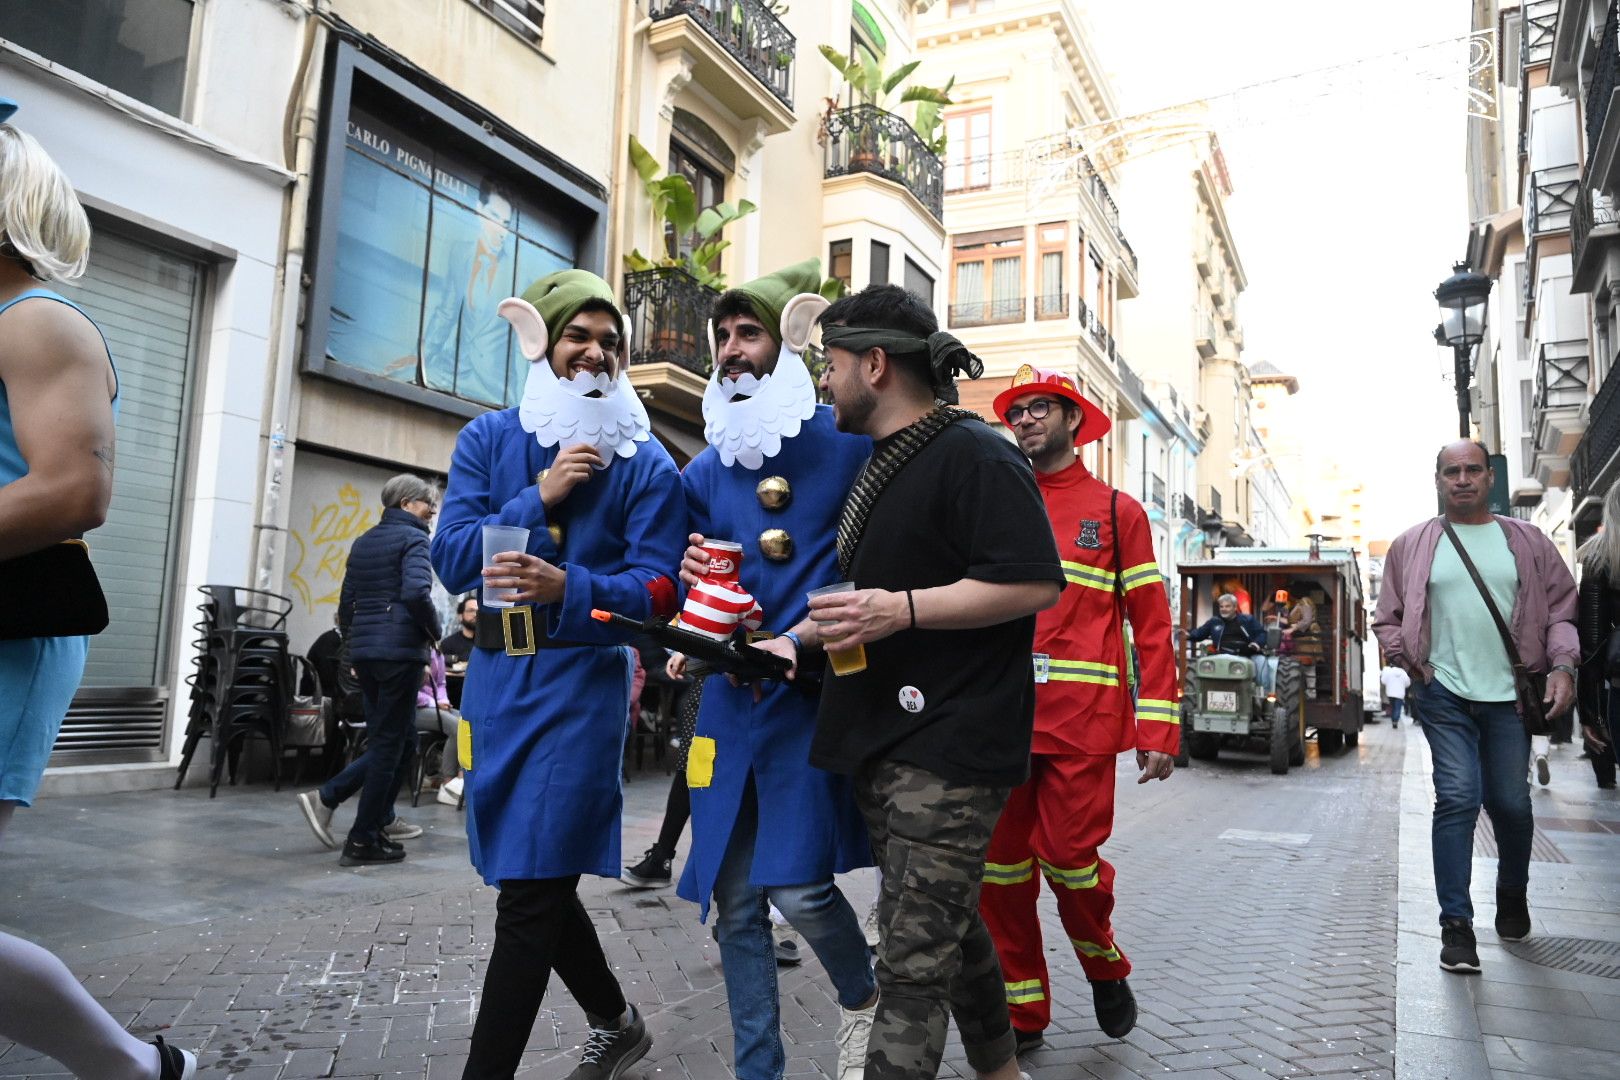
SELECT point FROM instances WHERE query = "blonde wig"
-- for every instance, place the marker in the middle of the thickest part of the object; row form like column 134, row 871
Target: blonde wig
column 41, row 221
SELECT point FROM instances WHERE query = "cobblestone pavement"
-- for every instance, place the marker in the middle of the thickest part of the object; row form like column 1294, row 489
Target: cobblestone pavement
column 1259, row 912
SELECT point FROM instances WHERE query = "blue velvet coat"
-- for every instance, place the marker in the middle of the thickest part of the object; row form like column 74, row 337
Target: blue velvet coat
column 548, row 730
column 809, row 827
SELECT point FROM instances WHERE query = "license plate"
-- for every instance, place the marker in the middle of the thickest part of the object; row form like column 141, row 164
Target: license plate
column 1221, row 700
column 1223, row 725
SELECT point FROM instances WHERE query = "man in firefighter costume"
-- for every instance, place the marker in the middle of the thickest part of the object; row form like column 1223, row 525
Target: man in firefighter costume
column 547, row 686
column 767, row 827
column 1084, row 715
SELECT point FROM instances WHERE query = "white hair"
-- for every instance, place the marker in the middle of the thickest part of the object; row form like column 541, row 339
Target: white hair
column 1224, row 597
column 41, row 220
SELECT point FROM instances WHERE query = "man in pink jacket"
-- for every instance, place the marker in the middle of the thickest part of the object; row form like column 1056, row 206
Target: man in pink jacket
column 1433, row 622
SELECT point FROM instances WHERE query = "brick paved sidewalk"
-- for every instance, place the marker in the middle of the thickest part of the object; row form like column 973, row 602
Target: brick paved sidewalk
column 1259, row 912
column 1546, row 1007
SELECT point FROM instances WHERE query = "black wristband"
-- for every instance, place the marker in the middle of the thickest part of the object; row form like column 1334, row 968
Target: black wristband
column 912, row 604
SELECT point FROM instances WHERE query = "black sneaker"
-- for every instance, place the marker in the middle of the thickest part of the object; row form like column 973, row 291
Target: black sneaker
column 365, row 854
column 173, row 1062
column 652, row 872
column 611, row 1049
column 787, row 951
column 1027, row 1040
column 1457, row 950
column 1512, row 914
column 1116, row 1006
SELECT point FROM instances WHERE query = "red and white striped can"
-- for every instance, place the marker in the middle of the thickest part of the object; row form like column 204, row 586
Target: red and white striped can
column 718, row 604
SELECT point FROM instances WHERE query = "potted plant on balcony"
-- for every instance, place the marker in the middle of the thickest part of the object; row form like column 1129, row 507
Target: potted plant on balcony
column 674, row 204
column 875, row 88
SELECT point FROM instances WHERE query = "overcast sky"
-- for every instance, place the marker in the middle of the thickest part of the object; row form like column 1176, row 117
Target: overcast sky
column 1347, row 211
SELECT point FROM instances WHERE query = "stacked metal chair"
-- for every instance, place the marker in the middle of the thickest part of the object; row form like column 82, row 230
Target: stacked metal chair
column 244, row 682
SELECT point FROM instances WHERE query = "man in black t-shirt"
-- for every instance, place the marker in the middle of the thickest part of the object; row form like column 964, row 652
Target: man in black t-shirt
column 458, row 643
column 946, row 540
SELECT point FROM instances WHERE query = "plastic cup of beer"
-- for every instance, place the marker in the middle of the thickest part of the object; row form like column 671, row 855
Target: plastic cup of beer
column 850, row 661
column 499, row 538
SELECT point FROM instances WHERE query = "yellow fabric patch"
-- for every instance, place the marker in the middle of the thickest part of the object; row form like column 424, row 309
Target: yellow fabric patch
column 464, row 742
column 700, row 762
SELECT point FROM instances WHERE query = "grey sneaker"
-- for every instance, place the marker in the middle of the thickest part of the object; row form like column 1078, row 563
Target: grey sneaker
column 869, row 926
column 400, row 829
column 319, row 816
column 854, row 1032
column 611, row 1049
column 1543, row 774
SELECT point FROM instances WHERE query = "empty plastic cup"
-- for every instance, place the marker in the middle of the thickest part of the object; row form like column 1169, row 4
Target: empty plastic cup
column 499, row 538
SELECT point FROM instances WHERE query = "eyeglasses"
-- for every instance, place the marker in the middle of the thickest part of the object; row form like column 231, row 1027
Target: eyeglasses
column 1037, row 410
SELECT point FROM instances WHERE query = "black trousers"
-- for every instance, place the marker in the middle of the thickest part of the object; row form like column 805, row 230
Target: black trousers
column 539, row 926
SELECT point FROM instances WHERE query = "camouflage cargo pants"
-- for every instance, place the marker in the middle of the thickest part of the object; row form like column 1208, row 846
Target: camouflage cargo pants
column 935, row 957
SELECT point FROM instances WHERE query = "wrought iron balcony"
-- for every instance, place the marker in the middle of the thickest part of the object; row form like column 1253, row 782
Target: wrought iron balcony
column 1156, row 495
column 1052, row 307
column 748, row 30
column 867, row 139
column 1591, row 219
column 1590, row 461
column 1600, row 89
column 1187, row 510
column 1540, row 23
column 1562, row 369
column 668, row 308
column 1552, row 197
column 1215, row 502
column 1007, row 309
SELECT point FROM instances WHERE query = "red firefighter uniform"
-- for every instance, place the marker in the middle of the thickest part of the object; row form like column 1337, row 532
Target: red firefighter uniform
column 1055, row 822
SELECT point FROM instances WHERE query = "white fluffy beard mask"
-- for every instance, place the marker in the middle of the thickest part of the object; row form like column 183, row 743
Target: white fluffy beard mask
column 560, row 414
column 746, row 432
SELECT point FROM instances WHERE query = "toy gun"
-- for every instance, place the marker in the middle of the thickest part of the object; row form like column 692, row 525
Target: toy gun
column 747, row 664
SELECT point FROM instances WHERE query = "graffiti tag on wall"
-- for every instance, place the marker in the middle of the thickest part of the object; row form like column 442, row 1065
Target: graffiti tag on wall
column 320, row 550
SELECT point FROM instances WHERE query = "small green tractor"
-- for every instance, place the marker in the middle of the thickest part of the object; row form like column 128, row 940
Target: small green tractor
column 1224, row 705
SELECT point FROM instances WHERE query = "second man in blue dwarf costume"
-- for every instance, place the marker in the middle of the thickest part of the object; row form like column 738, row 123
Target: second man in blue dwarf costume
column 547, row 686
column 767, row 827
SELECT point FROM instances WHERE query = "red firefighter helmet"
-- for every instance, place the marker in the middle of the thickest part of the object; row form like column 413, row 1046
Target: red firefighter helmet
column 1094, row 423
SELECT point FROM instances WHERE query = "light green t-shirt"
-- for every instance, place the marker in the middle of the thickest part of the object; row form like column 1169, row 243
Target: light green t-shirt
column 1464, row 645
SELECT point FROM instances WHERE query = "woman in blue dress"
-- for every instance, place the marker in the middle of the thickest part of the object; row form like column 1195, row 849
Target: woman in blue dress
column 58, row 396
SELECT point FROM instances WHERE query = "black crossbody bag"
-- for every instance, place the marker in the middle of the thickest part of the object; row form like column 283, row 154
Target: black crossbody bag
column 1530, row 686
column 60, row 577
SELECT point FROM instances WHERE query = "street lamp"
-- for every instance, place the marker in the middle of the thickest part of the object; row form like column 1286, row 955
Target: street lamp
column 1462, row 299
column 1214, row 530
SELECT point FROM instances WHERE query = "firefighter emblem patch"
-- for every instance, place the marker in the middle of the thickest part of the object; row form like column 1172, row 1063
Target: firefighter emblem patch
column 1089, row 537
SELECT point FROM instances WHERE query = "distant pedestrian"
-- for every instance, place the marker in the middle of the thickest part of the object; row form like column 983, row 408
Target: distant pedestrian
column 1434, row 621
column 389, row 622
column 1600, row 645
column 948, row 545
column 1394, row 681
column 58, row 401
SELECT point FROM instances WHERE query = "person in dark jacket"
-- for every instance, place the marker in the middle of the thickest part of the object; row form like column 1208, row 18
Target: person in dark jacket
column 1598, row 688
column 389, row 622
column 1231, row 631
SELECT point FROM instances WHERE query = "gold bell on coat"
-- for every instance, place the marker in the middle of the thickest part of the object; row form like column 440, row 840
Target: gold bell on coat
column 776, row 545
column 556, row 532
column 774, row 493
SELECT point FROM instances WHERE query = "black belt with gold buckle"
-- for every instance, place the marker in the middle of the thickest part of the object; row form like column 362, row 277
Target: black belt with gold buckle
column 515, row 631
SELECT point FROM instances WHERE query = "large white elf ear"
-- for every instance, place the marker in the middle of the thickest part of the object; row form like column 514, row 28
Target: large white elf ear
column 799, row 319
column 530, row 327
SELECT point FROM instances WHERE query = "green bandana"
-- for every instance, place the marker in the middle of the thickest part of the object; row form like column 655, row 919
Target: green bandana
column 947, row 356
column 559, row 297
column 770, row 294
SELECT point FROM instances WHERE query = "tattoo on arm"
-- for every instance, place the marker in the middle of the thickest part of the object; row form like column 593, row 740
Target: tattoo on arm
column 104, row 454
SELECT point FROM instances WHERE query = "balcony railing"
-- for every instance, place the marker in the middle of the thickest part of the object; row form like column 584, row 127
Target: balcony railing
column 748, row 30
column 865, row 138
column 1052, row 307
column 1551, row 204
column 1008, row 309
column 1562, row 369
column 668, row 308
column 1540, row 23
column 1187, row 510
column 1601, row 88
column 1215, row 502
column 1592, row 211
column 1601, row 440
column 1156, row 491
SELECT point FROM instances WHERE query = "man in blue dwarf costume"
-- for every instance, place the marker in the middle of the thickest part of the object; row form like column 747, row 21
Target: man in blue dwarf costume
column 547, row 686
column 767, row 827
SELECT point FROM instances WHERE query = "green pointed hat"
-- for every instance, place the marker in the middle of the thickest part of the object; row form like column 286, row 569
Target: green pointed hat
column 559, row 297
column 770, row 294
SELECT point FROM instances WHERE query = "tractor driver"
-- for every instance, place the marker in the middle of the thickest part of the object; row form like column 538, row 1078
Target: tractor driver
column 1236, row 634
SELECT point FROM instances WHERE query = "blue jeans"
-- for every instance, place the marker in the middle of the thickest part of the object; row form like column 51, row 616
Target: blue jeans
column 818, row 911
column 389, row 690
column 1265, row 673
column 1395, row 705
column 1479, row 750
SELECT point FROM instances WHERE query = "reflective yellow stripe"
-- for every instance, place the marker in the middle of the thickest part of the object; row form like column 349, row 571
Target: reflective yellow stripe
column 1083, row 878
column 1093, row 950
column 1009, row 873
column 1140, row 580
column 1083, row 671
column 1090, row 576
column 1140, row 570
column 1021, row 993
column 1165, row 712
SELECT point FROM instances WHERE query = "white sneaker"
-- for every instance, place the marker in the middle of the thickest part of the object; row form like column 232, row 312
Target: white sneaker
column 400, row 829
column 319, row 816
column 869, row 926
column 1543, row 774
column 854, row 1031
column 450, row 792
